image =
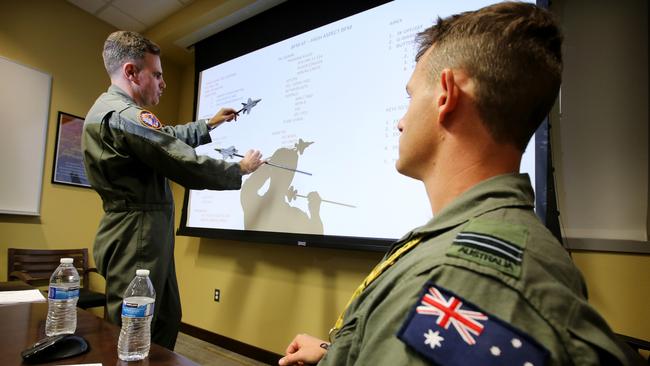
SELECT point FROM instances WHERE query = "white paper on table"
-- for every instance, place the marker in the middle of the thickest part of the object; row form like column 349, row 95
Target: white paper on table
column 13, row 297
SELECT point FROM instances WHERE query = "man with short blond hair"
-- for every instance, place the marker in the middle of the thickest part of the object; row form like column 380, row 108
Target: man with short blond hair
column 484, row 282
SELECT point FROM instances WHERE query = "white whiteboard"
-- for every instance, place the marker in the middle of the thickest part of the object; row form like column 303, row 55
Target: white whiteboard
column 24, row 111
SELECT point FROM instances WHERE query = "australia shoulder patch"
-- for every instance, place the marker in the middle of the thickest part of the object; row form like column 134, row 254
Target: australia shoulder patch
column 447, row 330
column 493, row 244
column 149, row 120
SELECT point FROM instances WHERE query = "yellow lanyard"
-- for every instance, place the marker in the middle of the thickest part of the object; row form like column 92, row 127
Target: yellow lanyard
column 376, row 272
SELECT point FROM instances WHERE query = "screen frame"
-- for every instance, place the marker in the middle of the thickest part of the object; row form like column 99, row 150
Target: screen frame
column 230, row 46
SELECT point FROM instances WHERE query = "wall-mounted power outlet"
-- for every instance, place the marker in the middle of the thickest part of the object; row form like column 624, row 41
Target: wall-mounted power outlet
column 217, row 294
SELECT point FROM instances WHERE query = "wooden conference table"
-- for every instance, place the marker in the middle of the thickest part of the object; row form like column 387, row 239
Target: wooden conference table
column 21, row 325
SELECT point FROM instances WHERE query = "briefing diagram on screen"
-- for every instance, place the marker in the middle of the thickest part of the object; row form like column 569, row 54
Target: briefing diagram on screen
column 330, row 101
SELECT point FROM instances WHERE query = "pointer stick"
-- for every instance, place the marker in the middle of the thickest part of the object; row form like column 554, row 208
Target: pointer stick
column 328, row 201
column 284, row 167
column 269, row 163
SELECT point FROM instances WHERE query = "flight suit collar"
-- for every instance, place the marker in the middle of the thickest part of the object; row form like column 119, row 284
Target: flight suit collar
column 117, row 91
column 510, row 190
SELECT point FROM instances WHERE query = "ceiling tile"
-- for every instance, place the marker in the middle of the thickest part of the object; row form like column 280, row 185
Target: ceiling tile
column 90, row 6
column 121, row 20
column 148, row 12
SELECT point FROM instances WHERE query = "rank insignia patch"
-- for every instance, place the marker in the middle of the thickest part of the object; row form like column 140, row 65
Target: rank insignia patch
column 148, row 119
column 446, row 329
column 496, row 245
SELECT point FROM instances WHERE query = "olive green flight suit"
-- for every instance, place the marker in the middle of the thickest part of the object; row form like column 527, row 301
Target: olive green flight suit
column 128, row 164
column 544, row 296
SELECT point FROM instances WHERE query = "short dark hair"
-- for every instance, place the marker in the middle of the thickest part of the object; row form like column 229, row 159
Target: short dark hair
column 512, row 51
column 125, row 46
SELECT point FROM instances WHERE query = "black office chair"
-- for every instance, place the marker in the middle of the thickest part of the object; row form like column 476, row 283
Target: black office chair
column 35, row 266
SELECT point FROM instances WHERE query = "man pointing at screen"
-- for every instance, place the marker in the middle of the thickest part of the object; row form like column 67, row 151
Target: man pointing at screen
column 484, row 282
column 129, row 155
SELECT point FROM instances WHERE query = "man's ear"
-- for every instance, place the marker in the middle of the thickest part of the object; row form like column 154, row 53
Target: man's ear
column 448, row 98
column 130, row 72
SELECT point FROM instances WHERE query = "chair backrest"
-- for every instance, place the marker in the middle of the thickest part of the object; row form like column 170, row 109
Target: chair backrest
column 39, row 264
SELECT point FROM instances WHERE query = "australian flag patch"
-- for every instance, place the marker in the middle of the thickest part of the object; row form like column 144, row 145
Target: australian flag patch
column 446, row 329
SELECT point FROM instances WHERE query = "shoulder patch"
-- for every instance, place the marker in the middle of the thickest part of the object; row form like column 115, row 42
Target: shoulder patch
column 447, row 330
column 149, row 119
column 493, row 244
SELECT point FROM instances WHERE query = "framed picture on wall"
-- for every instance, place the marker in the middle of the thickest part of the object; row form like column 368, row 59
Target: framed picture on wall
column 68, row 161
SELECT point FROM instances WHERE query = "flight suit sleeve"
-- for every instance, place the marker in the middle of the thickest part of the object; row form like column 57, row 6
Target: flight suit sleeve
column 369, row 333
column 375, row 334
column 570, row 330
column 192, row 133
column 175, row 159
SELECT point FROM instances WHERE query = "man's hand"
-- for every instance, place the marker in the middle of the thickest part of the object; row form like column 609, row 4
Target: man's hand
column 224, row 115
column 251, row 161
column 304, row 349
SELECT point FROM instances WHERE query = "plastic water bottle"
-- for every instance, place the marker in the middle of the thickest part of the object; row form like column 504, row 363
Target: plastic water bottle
column 62, row 299
column 137, row 311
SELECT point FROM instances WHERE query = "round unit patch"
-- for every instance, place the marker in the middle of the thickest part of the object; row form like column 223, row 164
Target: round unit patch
column 148, row 119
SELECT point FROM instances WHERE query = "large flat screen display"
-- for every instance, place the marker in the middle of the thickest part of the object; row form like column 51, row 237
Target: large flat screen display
column 330, row 101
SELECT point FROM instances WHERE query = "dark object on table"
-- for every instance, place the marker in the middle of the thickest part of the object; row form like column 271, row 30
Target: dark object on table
column 55, row 348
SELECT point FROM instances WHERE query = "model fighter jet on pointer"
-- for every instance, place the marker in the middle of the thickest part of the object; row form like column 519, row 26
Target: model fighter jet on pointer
column 248, row 106
column 231, row 151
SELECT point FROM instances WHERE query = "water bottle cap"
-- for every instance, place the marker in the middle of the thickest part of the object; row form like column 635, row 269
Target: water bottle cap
column 66, row 260
column 142, row 272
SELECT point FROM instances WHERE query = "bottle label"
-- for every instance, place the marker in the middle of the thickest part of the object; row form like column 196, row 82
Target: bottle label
column 63, row 293
column 134, row 310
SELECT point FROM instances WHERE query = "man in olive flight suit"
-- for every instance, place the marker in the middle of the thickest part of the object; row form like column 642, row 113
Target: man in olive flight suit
column 484, row 282
column 128, row 156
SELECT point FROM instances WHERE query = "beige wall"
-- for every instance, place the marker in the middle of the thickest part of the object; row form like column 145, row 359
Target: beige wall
column 619, row 287
column 269, row 292
column 57, row 39
column 65, row 42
